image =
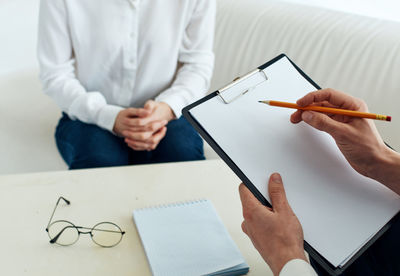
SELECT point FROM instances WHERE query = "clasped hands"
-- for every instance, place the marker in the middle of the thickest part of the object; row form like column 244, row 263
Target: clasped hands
column 144, row 128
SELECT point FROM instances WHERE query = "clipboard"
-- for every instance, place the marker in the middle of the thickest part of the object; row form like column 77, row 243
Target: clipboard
column 221, row 118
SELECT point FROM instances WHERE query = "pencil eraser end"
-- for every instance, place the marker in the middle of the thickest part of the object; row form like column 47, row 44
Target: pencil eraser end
column 389, row 118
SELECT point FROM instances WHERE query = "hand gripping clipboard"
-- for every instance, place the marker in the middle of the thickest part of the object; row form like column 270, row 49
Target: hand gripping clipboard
column 331, row 200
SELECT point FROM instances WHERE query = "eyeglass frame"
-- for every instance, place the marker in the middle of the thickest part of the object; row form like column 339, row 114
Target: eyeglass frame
column 54, row 239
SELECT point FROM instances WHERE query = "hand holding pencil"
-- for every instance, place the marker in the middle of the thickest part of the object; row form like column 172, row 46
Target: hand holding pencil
column 330, row 110
column 358, row 140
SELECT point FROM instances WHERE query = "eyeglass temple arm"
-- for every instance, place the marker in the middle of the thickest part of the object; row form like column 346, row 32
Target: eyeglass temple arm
column 52, row 214
column 102, row 230
column 53, row 240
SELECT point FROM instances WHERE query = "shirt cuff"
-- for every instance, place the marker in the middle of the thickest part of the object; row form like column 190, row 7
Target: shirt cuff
column 297, row 267
column 107, row 115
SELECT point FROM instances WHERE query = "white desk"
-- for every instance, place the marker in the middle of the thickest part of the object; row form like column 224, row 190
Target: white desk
column 26, row 202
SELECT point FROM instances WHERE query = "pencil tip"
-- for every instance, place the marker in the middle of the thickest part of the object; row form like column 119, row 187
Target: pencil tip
column 264, row 102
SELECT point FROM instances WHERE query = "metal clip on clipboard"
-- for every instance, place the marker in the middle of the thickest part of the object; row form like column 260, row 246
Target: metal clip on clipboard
column 242, row 85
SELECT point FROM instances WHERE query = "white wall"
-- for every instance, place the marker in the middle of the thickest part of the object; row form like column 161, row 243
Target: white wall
column 18, row 31
column 27, row 116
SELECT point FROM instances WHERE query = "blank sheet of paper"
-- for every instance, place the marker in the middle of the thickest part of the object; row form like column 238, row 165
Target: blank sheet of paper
column 339, row 209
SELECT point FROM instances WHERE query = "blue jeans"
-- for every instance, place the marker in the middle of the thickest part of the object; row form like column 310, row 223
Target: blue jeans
column 89, row 146
column 382, row 258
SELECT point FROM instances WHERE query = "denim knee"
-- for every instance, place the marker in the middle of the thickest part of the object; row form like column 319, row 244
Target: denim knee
column 88, row 146
column 181, row 143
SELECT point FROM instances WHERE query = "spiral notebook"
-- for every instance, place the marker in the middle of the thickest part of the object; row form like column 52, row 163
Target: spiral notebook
column 188, row 239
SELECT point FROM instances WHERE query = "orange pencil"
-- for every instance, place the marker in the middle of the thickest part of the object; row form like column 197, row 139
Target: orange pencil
column 330, row 110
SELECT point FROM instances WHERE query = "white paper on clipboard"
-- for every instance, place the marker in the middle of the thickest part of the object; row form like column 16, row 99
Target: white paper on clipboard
column 339, row 209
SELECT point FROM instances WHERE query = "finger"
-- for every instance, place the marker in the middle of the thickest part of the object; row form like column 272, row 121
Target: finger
column 249, row 202
column 136, row 148
column 277, row 193
column 138, row 129
column 156, row 138
column 336, row 98
column 137, row 136
column 137, row 145
column 326, row 104
column 244, row 228
column 137, row 112
column 137, row 122
column 151, row 143
column 157, row 125
column 296, row 117
column 150, row 105
column 152, row 127
column 322, row 122
column 153, row 137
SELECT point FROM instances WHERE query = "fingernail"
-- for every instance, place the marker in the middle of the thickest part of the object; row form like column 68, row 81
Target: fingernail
column 276, row 178
column 299, row 102
column 307, row 116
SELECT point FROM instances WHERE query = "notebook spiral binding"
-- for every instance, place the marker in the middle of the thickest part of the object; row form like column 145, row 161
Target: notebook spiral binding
column 173, row 204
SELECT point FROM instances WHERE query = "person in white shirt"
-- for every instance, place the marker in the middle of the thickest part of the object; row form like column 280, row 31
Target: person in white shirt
column 121, row 71
column 277, row 234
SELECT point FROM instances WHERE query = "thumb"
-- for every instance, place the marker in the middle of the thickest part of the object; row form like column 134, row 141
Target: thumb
column 249, row 202
column 150, row 105
column 277, row 193
column 321, row 122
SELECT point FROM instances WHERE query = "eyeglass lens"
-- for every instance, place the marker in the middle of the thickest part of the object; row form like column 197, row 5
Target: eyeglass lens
column 64, row 232
column 106, row 234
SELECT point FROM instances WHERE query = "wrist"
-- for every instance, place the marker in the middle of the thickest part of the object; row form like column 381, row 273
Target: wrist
column 386, row 168
column 168, row 114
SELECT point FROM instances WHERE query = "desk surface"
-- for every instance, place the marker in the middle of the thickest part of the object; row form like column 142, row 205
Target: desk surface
column 26, row 202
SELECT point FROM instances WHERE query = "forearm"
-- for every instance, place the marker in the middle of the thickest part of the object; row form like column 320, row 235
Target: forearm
column 191, row 83
column 387, row 169
column 196, row 57
column 72, row 98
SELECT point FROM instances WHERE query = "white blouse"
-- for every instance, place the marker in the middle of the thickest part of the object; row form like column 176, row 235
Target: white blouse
column 98, row 57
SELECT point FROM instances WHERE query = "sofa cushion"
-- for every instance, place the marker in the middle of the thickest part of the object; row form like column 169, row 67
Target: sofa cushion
column 356, row 54
column 27, row 130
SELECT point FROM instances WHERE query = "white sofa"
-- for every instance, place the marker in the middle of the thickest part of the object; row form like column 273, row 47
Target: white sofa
column 353, row 53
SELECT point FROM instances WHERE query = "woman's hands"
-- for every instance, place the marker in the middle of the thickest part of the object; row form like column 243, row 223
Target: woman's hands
column 144, row 128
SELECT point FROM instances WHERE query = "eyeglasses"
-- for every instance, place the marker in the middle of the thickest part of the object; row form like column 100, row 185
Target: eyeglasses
column 62, row 232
